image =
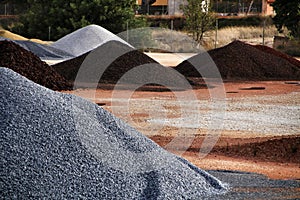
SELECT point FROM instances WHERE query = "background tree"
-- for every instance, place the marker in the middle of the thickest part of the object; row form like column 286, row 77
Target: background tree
column 199, row 18
column 14, row 7
column 64, row 17
column 287, row 15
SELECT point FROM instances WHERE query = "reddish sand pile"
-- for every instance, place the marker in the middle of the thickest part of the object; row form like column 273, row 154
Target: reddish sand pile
column 18, row 59
column 114, row 71
column 239, row 60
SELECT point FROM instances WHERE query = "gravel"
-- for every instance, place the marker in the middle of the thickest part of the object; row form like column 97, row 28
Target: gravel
column 255, row 186
column 130, row 59
column 29, row 65
column 272, row 51
column 44, row 52
column 119, row 65
column 265, row 115
column 239, row 60
column 59, row 146
column 85, row 39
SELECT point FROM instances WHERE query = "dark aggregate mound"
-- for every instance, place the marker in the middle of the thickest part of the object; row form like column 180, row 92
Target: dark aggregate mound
column 116, row 69
column 239, row 60
column 279, row 54
column 29, row 65
column 113, row 73
column 59, row 146
column 69, row 68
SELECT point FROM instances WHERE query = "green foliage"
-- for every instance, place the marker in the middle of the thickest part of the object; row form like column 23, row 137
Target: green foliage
column 66, row 16
column 287, row 15
column 199, row 18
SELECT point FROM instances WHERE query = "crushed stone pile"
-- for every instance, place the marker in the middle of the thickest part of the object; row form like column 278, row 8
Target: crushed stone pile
column 239, row 60
column 114, row 71
column 270, row 50
column 61, row 146
column 29, row 65
column 85, row 39
column 44, row 52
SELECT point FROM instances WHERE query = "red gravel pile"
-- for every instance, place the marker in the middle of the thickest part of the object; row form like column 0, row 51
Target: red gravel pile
column 239, row 60
column 114, row 71
column 27, row 64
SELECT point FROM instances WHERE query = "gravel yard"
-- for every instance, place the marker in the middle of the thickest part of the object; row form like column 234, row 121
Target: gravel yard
column 265, row 115
column 53, row 143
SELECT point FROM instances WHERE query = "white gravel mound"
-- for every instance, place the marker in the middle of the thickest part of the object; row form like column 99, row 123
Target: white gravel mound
column 60, row 146
column 85, row 39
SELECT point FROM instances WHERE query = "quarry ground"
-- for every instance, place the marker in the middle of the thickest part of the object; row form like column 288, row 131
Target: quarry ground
column 265, row 146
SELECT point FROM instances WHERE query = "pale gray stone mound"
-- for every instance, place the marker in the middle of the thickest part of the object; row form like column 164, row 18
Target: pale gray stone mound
column 85, row 39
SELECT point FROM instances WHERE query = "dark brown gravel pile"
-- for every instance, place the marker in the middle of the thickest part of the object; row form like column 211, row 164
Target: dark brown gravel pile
column 27, row 64
column 279, row 54
column 114, row 71
column 239, row 60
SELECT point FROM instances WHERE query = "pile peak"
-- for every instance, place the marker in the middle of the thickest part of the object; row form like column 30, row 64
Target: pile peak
column 85, row 39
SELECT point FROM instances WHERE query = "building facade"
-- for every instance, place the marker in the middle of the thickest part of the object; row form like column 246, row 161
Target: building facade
column 226, row 7
column 161, row 7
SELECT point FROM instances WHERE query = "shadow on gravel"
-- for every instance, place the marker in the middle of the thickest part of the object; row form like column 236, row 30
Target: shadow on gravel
column 245, row 185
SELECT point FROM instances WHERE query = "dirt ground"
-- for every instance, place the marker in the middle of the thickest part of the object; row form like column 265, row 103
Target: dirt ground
column 224, row 155
column 274, row 155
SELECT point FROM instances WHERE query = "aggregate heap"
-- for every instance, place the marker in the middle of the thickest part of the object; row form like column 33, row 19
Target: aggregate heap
column 116, row 59
column 29, row 65
column 239, row 60
column 85, row 39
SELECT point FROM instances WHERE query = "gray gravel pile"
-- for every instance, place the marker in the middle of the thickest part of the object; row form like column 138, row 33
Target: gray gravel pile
column 85, row 39
column 59, row 146
column 45, row 52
